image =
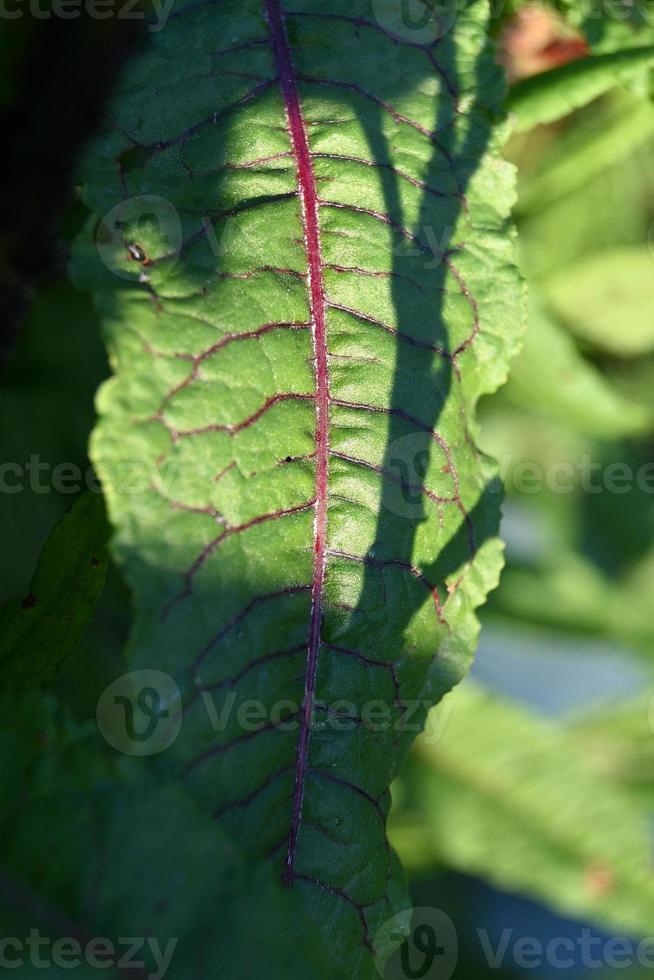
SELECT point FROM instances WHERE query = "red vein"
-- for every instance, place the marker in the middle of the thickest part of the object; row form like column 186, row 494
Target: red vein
column 366, row 318
column 241, row 616
column 233, row 428
column 309, row 204
column 382, row 166
column 388, row 475
column 231, row 338
column 228, row 532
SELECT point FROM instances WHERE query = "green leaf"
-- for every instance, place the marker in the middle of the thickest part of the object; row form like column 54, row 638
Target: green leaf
column 606, row 26
column 163, row 869
column 618, row 739
column 607, row 299
column 549, row 95
column 616, row 196
column 38, row 633
column 501, row 793
column 607, row 140
column 612, row 27
column 574, row 594
column 314, row 286
column 552, row 378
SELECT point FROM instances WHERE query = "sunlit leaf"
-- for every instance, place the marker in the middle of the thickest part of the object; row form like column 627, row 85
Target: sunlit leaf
column 308, row 282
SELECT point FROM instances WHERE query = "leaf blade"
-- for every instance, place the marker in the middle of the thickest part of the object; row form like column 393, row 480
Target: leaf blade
column 549, row 95
column 217, row 383
column 39, row 633
column 511, row 796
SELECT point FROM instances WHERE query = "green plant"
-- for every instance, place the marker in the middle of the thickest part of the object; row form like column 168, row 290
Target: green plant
column 300, row 246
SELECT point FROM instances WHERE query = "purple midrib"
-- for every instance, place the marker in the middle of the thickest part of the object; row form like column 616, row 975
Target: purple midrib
column 309, row 204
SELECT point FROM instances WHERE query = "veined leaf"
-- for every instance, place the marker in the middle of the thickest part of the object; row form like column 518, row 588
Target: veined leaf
column 39, row 632
column 325, row 291
column 512, row 797
column 547, row 96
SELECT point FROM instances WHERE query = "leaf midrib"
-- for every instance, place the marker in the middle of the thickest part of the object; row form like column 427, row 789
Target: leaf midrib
column 309, row 206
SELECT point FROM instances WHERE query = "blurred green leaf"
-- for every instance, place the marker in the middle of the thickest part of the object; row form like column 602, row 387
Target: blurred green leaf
column 613, row 25
column 46, row 415
column 608, row 299
column 598, row 142
column 608, row 25
column 552, row 377
column 575, row 595
column 619, row 741
column 549, row 95
column 508, row 796
column 38, row 633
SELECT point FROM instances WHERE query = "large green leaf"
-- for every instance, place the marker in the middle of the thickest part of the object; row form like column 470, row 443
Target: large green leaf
column 310, row 292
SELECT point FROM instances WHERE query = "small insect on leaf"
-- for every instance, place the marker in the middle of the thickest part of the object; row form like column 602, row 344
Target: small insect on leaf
column 136, row 252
